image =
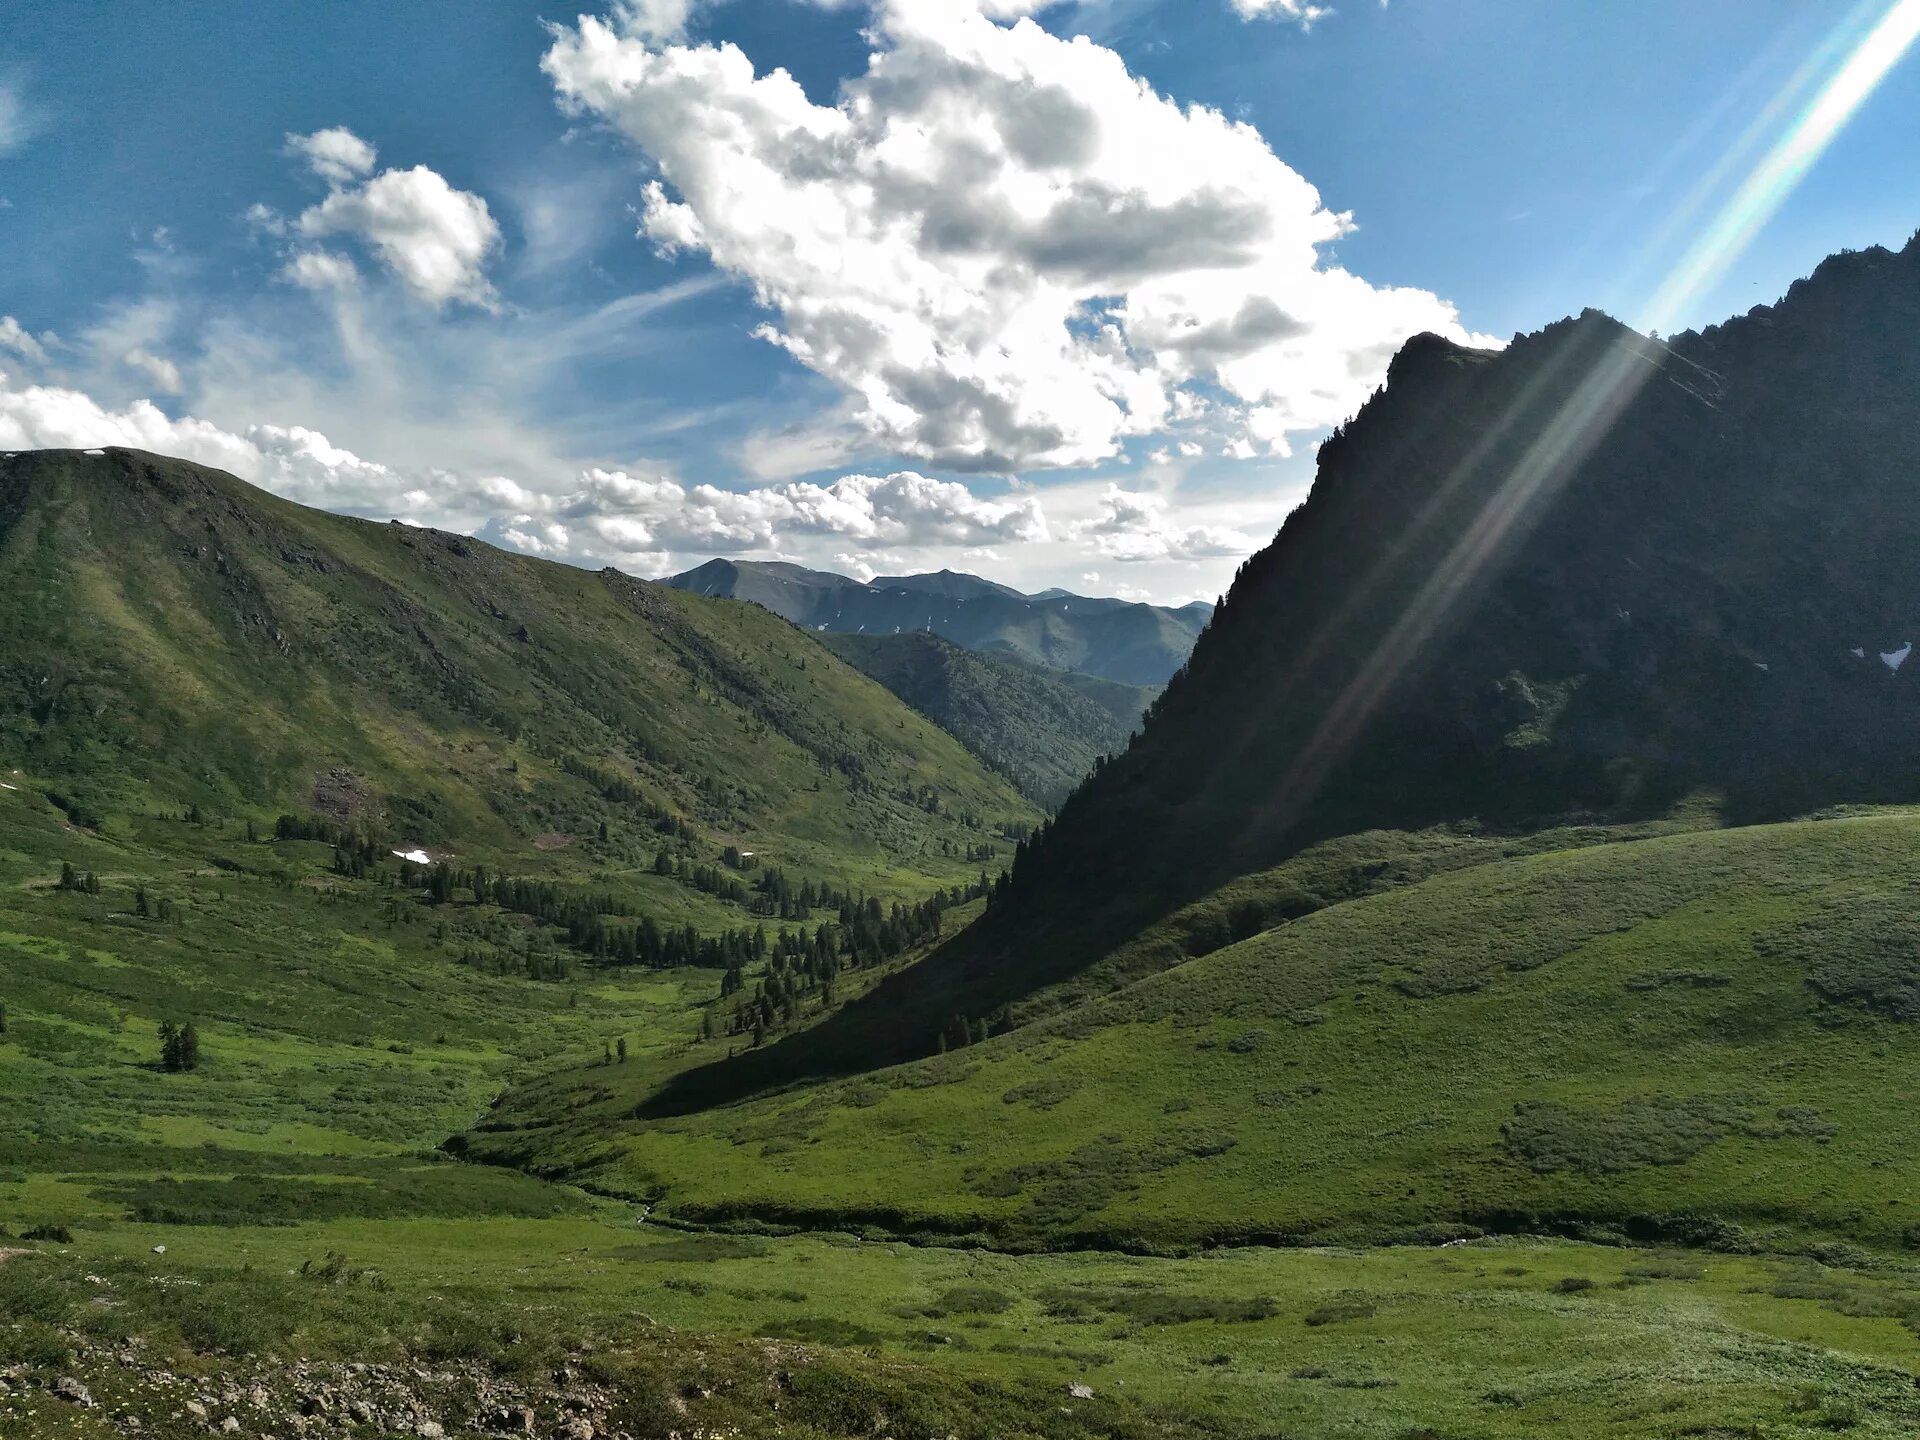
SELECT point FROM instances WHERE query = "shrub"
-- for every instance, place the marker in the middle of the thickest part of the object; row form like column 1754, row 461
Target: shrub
column 1338, row 1312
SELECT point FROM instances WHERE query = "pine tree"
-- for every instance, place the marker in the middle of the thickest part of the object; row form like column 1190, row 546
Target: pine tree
column 621, row 1047
column 179, row 1046
column 68, row 879
column 140, row 901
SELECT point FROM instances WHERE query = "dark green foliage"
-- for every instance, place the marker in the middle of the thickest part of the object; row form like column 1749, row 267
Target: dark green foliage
column 386, row 1191
column 179, row 1046
column 1042, row 728
column 1861, row 951
column 1655, row 1130
column 1339, row 1312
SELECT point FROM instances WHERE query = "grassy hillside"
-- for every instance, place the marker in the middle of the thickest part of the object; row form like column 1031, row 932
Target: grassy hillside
column 170, row 637
column 281, row 1218
column 1041, row 728
column 1695, row 1036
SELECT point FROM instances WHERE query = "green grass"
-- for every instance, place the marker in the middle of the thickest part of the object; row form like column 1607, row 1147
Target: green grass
column 1652, row 1038
column 1499, row 1338
column 1682, row 1037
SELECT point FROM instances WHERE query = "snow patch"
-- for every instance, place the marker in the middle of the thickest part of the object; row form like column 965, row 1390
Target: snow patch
column 414, row 857
column 93, row 452
column 5, row 786
column 1858, row 652
column 1894, row 659
column 1760, row 665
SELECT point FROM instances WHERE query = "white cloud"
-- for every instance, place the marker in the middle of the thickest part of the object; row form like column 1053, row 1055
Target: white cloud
column 435, row 238
column 336, row 155
column 290, row 461
column 613, row 512
column 654, row 20
column 1300, row 12
column 164, row 374
column 1135, row 527
column 17, row 339
column 320, row 271
column 1006, row 249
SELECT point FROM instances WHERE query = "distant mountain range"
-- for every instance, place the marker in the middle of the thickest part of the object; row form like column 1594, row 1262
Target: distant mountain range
column 1119, row 640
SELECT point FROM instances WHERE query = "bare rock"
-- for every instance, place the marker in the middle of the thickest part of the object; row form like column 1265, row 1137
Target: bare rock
column 73, row 1392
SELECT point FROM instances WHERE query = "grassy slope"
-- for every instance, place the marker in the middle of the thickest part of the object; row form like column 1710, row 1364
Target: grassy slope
column 1709, row 1025
column 342, row 1039
column 1041, row 728
column 169, row 635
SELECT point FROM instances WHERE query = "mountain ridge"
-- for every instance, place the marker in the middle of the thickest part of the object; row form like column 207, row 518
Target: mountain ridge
column 1592, row 578
column 1119, row 640
column 176, row 636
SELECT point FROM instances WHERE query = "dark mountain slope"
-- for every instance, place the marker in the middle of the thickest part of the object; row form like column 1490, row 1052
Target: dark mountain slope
column 1041, row 728
column 1115, row 639
column 1582, row 577
column 170, row 636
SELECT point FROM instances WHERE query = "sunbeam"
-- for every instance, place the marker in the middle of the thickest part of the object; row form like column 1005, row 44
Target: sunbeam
column 1616, row 376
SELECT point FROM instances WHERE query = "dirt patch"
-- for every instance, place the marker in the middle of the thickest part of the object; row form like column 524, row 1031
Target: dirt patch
column 554, row 841
column 343, row 796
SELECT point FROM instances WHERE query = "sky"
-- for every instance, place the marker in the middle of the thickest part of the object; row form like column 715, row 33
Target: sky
column 1059, row 293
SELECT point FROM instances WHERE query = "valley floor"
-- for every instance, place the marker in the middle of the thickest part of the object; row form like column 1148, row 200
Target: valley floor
column 275, row 1238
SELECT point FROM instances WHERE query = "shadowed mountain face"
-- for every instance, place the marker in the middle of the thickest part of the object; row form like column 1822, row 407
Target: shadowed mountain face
column 1114, row 639
column 1042, row 728
column 1580, row 578
column 1584, row 575
column 170, row 635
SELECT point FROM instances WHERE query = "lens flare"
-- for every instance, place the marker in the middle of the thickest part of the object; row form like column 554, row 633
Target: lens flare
column 1615, row 376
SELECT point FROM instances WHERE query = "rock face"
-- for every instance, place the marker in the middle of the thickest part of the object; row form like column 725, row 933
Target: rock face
column 1583, row 576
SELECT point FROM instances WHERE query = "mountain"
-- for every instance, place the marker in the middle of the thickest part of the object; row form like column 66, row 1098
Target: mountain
column 1041, row 728
column 1526, row 848
column 170, row 636
column 1650, row 1035
column 1117, row 640
column 1592, row 577
column 1586, row 575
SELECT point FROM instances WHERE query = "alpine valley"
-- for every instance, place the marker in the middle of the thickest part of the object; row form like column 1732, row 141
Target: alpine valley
column 1471, row 991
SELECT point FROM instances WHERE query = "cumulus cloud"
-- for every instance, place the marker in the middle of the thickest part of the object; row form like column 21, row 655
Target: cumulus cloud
column 655, row 20
column 288, row 460
column 1008, row 250
column 613, row 512
column 336, row 155
column 640, row 521
column 1134, row 527
column 435, row 238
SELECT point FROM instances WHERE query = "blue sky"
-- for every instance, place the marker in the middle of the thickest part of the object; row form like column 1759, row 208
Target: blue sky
column 987, row 302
